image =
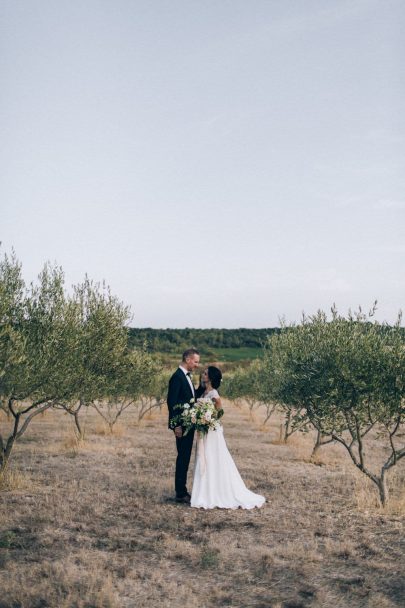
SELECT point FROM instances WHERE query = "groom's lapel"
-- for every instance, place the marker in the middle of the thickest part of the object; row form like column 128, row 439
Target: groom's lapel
column 188, row 384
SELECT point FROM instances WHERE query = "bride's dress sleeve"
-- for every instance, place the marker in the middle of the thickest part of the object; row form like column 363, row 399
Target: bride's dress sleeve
column 214, row 393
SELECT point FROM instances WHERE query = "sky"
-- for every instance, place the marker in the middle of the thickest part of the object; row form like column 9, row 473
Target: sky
column 219, row 163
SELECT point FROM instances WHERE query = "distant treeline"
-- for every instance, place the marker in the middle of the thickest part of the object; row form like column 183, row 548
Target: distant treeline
column 177, row 340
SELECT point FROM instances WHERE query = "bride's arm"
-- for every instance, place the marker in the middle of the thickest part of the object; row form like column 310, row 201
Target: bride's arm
column 217, row 403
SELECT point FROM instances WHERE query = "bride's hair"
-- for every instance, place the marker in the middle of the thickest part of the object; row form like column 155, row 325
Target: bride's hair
column 214, row 375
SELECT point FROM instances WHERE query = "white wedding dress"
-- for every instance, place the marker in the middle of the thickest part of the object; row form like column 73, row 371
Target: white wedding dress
column 217, row 482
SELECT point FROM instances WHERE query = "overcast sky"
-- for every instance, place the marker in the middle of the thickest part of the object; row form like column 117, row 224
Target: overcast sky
column 220, row 163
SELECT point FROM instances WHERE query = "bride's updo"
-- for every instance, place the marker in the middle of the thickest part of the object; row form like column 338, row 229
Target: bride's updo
column 214, row 375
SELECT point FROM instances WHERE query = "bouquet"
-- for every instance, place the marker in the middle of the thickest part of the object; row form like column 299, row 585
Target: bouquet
column 201, row 415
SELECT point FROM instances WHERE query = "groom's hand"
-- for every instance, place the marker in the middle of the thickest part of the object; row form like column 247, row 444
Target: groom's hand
column 178, row 431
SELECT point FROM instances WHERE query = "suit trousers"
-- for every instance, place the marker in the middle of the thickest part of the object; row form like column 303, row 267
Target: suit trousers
column 184, row 448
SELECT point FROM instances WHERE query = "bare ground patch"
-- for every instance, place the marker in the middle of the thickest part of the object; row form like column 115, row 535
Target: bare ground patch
column 95, row 525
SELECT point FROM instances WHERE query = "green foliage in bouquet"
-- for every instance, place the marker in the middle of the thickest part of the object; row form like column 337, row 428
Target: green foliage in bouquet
column 202, row 416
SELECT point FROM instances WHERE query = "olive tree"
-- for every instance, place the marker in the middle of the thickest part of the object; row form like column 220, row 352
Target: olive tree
column 56, row 350
column 36, row 372
column 346, row 376
column 137, row 373
column 273, row 385
column 232, row 386
column 11, row 315
column 249, row 384
column 153, row 394
column 244, row 384
column 101, row 347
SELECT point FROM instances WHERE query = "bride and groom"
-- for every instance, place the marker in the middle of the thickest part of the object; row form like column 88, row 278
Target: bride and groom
column 217, row 482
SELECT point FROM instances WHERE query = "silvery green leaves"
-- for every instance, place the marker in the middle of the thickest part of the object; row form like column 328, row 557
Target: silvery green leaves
column 56, row 348
column 346, row 376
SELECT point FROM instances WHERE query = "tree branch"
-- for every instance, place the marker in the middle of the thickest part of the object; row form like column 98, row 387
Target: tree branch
column 359, row 465
column 368, row 429
column 360, row 442
column 30, row 417
column 10, row 406
column 35, row 404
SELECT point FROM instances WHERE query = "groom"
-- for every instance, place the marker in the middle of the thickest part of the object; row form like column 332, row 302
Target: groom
column 181, row 391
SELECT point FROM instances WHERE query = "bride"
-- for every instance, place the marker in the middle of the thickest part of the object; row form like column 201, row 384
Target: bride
column 217, row 482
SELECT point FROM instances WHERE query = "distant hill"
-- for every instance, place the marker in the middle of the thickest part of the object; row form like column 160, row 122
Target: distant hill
column 208, row 340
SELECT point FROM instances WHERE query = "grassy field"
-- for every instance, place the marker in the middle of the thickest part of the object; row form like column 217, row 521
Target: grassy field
column 226, row 358
column 95, row 526
column 237, row 354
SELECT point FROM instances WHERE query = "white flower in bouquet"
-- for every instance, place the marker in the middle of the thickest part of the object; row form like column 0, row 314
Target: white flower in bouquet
column 206, row 416
column 202, row 416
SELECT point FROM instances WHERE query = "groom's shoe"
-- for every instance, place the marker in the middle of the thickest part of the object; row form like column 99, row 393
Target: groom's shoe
column 185, row 499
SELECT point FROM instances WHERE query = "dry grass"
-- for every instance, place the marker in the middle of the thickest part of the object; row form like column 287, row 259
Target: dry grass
column 14, row 480
column 92, row 524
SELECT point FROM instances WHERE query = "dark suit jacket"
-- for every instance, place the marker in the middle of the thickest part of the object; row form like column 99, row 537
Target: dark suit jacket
column 179, row 393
